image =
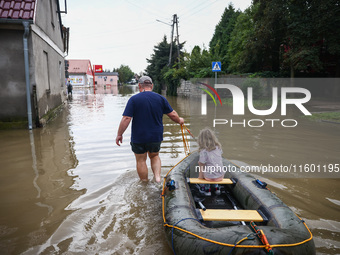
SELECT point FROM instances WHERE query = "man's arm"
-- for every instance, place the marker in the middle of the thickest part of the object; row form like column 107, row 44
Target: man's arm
column 175, row 118
column 124, row 123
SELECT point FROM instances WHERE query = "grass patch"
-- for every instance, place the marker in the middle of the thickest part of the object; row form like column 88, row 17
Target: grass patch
column 328, row 116
column 258, row 103
column 13, row 125
column 13, row 122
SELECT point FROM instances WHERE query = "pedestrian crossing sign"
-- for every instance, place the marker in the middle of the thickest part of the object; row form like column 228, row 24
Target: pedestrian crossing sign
column 216, row 66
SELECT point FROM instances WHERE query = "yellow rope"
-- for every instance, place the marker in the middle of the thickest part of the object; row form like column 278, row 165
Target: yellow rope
column 237, row 245
column 242, row 240
column 185, row 142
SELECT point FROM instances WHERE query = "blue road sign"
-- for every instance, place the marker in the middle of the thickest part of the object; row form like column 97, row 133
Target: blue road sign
column 216, row 66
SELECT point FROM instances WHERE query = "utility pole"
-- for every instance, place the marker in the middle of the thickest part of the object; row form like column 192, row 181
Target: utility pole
column 179, row 59
column 174, row 21
column 172, row 38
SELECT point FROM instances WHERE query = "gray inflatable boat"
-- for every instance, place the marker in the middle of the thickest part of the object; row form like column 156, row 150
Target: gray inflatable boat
column 245, row 218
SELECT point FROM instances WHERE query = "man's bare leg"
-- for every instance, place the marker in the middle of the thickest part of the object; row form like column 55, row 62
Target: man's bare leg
column 155, row 165
column 142, row 168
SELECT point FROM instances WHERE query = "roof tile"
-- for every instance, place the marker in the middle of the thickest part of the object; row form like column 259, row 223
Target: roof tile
column 4, row 14
column 17, row 9
column 27, row 7
column 26, row 15
column 17, row 6
column 7, row 5
column 15, row 14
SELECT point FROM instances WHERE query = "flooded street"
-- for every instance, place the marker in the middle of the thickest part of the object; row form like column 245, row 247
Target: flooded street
column 68, row 188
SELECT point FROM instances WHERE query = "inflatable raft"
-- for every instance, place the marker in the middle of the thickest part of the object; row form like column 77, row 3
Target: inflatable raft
column 246, row 218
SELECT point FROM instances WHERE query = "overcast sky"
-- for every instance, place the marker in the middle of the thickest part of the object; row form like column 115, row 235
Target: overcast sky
column 111, row 33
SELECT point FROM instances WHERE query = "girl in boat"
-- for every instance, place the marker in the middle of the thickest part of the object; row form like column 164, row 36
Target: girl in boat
column 210, row 161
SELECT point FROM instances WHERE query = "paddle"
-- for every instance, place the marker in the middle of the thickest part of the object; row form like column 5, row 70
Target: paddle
column 233, row 203
column 198, row 197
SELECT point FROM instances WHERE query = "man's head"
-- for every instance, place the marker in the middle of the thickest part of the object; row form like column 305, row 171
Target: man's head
column 145, row 81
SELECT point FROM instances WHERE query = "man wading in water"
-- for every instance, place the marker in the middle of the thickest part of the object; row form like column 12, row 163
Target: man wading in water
column 146, row 110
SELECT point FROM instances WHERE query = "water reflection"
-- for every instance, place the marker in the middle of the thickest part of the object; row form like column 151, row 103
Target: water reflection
column 128, row 89
column 35, row 186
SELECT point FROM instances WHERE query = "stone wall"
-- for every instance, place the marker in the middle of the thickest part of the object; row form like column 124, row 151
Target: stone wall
column 322, row 88
column 187, row 89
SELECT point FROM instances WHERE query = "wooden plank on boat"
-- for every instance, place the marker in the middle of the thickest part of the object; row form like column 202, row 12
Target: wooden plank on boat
column 203, row 181
column 230, row 215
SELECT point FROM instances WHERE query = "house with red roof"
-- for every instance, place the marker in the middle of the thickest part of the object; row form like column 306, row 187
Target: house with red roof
column 34, row 43
column 80, row 72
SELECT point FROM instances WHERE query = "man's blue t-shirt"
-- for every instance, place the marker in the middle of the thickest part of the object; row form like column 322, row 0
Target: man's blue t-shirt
column 147, row 109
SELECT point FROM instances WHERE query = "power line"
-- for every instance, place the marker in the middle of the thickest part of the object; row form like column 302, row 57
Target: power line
column 145, row 9
column 204, row 4
column 192, row 7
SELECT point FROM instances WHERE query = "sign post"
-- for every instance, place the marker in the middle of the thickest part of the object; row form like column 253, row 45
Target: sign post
column 216, row 67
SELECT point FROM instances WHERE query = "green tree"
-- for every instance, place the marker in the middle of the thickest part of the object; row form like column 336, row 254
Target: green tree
column 312, row 41
column 270, row 29
column 240, row 51
column 327, row 15
column 199, row 63
column 125, row 73
column 299, row 36
column 159, row 59
column 222, row 36
column 159, row 66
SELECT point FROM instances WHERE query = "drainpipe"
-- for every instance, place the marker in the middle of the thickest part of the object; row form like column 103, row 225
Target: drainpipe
column 27, row 74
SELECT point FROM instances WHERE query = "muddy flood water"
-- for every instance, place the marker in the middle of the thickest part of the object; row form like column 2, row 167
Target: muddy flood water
column 68, row 189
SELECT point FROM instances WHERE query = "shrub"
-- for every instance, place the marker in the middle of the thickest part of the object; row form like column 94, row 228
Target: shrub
column 255, row 84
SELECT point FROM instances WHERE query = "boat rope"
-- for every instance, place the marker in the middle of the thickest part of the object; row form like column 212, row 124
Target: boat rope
column 249, row 236
column 189, row 132
column 260, row 234
column 172, row 232
column 237, row 245
column 185, row 140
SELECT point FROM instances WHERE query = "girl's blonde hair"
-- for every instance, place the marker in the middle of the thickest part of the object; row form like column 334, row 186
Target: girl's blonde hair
column 207, row 140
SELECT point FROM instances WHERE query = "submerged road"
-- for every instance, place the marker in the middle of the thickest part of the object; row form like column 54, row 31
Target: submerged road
column 68, row 189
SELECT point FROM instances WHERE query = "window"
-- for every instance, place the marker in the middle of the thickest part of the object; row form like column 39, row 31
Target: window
column 60, row 74
column 46, row 72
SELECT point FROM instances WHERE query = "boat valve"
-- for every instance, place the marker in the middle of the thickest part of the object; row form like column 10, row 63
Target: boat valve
column 171, row 185
column 263, row 185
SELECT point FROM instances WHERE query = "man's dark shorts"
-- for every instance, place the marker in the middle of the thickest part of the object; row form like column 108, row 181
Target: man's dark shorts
column 141, row 148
